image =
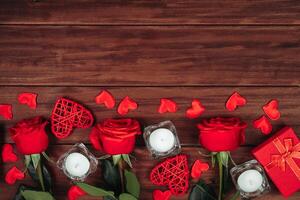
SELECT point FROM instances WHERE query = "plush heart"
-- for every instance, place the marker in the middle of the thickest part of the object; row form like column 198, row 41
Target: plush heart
column 106, row 98
column 263, row 124
column 174, row 173
column 198, row 168
column 8, row 154
column 68, row 114
column 167, row 105
column 234, row 101
column 271, row 109
column 28, row 99
column 75, row 192
column 6, row 111
column 160, row 195
column 196, row 110
column 126, row 104
column 13, row 175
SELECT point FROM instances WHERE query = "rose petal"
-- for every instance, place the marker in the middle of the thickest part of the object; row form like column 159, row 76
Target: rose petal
column 263, row 124
column 6, row 111
column 105, row 98
column 234, row 101
column 13, row 175
column 271, row 109
column 28, row 99
column 75, row 192
column 160, row 195
column 127, row 104
column 198, row 168
column 195, row 110
column 7, row 153
column 167, row 105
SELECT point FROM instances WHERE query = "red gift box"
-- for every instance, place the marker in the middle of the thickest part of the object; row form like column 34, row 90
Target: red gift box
column 280, row 156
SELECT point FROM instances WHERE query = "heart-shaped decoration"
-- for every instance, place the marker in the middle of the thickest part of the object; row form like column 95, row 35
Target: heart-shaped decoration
column 75, row 192
column 68, row 114
column 271, row 109
column 13, row 175
column 167, row 105
column 28, row 98
column 160, row 195
column 106, row 98
column 8, row 154
column 126, row 105
column 196, row 110
column 263, row 124
column 234, row 101
column 174, row 173
column 198, row 168
column 6, row 111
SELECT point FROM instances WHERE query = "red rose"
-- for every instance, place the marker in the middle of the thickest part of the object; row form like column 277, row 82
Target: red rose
column 115, row 136
column 222, row 134
column 30, row 136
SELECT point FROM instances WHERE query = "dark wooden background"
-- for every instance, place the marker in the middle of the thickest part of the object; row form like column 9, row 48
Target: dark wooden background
column 149, row 49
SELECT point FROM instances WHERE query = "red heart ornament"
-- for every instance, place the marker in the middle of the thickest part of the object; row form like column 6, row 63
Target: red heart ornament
column 160, row 195
column 198, row 168
column 167, row 105
column 106, row 98
column 174, row 173
column 75, row 192
column 13, row 175
column 196, row 110
column 271, row 109
column 234, row 101
column 68, row 114
column 126, row 104
column 6, row 111
column 263, row 124
column 28, row 99
column 7, row 154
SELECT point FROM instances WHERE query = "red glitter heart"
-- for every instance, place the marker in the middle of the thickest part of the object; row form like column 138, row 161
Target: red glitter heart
column 263, row 124
column 234, row 101
column 196, row 110
column 271, row 109
column 106, row 98
column 167, row 105
column 198, row 168
column 160, row 195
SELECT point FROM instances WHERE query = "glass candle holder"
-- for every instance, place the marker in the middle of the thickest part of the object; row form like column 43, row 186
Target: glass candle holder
column 78, row 162
column 250, row 179
column 162, row 140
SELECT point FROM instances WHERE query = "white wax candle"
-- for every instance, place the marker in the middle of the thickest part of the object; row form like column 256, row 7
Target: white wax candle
column 162, row 140
column 77, row 164
column 250, row 180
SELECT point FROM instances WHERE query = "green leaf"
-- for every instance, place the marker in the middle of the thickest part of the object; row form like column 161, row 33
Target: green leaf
column 111, row 176
column 235, row 196
column 213, row 160
column 125, row 196
column 132, row 184
column 94, row 191
column 202, row 191
column 21, row 188
column 223, row 157
column 36, row 195
column 127, row 159
column 35, row 158
column 36, row 176
column 116, row 158
column 27, row 160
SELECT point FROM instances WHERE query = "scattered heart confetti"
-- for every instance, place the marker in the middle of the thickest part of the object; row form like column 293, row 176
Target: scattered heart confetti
column 174, row 173
column 106, row 98
column 6, row 111
column 263, row 124
column 160, row 195
column 167, row 105
column 271, row 109
column 196, row 110
column 198, row 168
column 75, row 192
column 13, row 175
column 234, row 101
column 126, row 104
column 8, row 154
column 28, row 99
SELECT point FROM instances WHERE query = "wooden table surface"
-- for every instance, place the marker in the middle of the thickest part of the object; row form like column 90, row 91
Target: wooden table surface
column 150, row 49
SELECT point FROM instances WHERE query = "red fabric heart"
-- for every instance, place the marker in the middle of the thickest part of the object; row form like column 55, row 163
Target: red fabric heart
column 68, row 114
column 106, row 98
column 198, row 168
column 271, row 109
column 234, row 101
column 160, row 195
column 167, row 105
column 7, row 154
column 263, row 124
column 75, row 192
column 28, row 99
column 126, row 104
column 6, row 111
column 13, row 175
column 196, row 110
column 174, row 173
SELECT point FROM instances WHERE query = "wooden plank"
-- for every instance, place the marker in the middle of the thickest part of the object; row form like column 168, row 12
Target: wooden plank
column 213, row 98
column 149, row 56
column 150, row 12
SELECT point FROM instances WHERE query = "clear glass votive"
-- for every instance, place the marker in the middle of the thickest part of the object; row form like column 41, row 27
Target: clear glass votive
column 250, row 179
column 78, row 162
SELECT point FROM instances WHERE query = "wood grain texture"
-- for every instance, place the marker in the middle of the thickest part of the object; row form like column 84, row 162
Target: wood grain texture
column 150, row 12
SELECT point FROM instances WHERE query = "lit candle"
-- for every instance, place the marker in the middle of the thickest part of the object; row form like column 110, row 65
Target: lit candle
column 162, row 140
column 250, row 180
column 77, row 164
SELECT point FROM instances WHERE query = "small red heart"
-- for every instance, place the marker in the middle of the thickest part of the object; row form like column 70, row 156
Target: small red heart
column 198, row 168
column 263, row 124
column 234, row 101
column 28, row 99
column 196, row 110
column 7, row 154
column 106, row 98
column 271, row 109
column 126, row 104
column 167, row 105
column 14, row 174
column 75, row 192
column 6, row 111
column 160, row 195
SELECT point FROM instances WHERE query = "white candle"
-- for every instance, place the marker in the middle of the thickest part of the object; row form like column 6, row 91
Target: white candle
column 77, row 164
column 162, row 140
column 250, row 180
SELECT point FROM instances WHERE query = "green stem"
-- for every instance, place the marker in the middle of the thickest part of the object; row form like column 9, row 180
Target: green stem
column 40, row 174
column 220, row 165
column 121, row 169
